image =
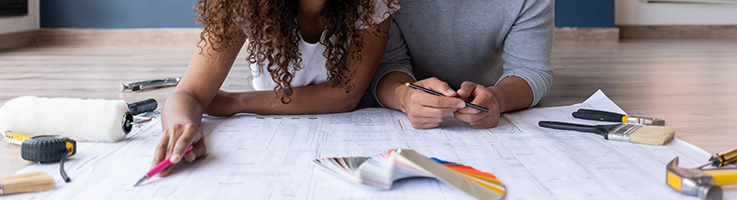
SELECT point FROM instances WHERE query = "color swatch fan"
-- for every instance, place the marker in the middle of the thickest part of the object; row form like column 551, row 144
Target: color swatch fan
column 382, row 170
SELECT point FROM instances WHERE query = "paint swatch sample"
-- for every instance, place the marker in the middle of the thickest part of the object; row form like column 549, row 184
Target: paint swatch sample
column 382, row 170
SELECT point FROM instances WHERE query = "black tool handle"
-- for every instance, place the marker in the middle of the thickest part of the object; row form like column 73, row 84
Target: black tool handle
column 598, row 115
column 143, row 106
column 574, row 127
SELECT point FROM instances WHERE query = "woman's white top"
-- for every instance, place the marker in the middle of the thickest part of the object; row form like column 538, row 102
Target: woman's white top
column 313, row 62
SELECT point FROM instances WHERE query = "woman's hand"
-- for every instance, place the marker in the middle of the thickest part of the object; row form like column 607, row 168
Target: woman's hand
column 175, row 142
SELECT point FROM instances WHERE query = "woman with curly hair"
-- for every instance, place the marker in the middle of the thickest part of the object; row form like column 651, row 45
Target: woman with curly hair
column 307, row 56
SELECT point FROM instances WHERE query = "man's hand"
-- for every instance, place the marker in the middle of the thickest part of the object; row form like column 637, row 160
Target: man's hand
column 426, row 110
column 482, row 96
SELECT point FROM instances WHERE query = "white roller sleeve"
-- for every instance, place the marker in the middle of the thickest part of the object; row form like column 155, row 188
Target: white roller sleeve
column 83, row 120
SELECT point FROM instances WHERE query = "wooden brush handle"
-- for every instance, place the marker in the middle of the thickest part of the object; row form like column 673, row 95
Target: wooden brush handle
column 23, row 175
column 27, row 182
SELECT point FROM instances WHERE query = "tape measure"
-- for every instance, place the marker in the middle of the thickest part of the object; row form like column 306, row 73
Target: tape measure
column 45, row 149
column 14, row 138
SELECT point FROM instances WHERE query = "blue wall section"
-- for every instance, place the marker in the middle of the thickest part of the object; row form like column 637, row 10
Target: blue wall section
column 584, row 13
column 117, row 13
column 179, row 13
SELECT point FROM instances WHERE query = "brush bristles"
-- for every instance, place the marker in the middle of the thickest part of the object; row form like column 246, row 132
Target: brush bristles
column 652, row 135
column 27, row 182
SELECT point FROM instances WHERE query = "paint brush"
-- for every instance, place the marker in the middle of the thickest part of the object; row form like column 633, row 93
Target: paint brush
column 438, row 94
column 616, row 117
column 26, row 182
column 634, row 133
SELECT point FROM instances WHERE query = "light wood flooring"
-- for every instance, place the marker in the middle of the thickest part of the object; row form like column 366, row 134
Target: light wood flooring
column 692, row 84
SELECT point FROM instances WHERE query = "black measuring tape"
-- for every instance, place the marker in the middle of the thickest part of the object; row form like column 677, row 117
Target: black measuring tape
column 49, row 148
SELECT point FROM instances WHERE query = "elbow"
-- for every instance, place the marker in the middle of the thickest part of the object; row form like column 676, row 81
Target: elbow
column 348, row 105
column 350, row 102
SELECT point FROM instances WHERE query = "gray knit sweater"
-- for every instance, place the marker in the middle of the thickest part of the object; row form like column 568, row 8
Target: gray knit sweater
column 481, row 41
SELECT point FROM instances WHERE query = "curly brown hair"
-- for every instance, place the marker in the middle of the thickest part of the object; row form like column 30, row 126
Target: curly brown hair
column 273, row 35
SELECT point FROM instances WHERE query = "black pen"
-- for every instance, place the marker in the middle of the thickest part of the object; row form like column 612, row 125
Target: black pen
column 438, row 94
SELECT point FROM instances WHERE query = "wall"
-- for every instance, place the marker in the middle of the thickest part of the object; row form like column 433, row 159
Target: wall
column 178, row 13
column 584, row 13
column 595, row 16
column 635, row 12
column 115, row 14
column 21, row 23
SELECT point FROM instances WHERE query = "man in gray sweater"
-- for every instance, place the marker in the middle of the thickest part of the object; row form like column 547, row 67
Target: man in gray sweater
column 492, row 53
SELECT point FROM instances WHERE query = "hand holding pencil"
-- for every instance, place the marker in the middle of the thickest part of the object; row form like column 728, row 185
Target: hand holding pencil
column 158, row 168
column 426, row 110
column 480, row 95
column 438, row 94
column 426, row 102
column 179, row 142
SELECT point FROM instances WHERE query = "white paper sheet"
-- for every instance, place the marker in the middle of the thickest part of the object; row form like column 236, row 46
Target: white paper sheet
column 270, row 157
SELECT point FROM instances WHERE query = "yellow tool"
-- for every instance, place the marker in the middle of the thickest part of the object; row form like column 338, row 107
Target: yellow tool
column 44, row 148
column 15, row 138
column 703, row 183
column 722, row 158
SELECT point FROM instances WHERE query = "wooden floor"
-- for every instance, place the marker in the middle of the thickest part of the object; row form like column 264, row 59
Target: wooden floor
column 692, row 84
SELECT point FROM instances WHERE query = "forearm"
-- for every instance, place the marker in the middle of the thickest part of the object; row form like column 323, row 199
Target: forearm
column 181, row 108
column 512, row 93
column 389, row 88
column 205, row 73
column 312, row 99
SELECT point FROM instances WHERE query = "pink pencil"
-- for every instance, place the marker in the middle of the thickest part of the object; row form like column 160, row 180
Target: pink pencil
column 161, row 166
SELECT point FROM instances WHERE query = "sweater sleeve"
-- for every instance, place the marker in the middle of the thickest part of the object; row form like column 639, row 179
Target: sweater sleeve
column 528, row 45
column 396, row 59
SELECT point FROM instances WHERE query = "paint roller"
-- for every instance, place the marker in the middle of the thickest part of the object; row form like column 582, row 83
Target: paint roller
column 84, row 120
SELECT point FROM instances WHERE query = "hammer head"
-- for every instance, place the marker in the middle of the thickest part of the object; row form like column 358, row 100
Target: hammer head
column 693, row 182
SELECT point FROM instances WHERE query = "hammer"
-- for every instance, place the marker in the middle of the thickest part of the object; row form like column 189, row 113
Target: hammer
column 703, row 183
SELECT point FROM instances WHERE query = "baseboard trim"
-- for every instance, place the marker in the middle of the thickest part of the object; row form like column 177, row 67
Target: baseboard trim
column 154, row 36
column 678, row 31
column 189, row 36
column 18, row 40
column 586, row 35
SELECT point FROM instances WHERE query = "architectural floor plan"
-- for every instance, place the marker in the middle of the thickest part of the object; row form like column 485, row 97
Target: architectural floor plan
column 270, row 157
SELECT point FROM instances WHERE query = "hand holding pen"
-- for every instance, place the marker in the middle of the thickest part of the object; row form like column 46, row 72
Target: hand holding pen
column 179, row 142
column 427, row 112
column 479, row 95
column 158, row 168
column 438, row 94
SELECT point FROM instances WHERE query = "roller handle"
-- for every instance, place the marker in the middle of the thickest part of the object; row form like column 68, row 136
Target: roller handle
column 598, row 115
column 143, row 106
column 600, row 130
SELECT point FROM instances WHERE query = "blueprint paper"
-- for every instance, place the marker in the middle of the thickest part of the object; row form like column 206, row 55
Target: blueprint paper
column 270, row 157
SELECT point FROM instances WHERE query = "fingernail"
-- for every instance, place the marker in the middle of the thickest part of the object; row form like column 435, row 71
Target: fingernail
column 450, row 91
column 174, row 158
column 461, row 105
